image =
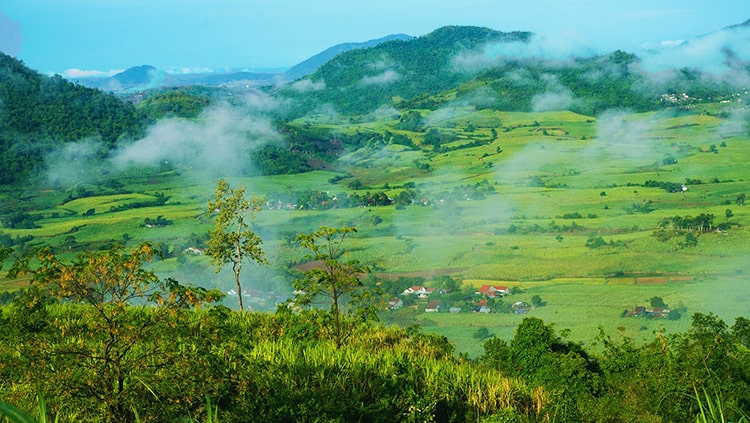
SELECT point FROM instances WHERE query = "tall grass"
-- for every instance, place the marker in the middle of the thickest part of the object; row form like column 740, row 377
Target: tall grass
column 16, row 415
column 416, row 384
column 711, row 408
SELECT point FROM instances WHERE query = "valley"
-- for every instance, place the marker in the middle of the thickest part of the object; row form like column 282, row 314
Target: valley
column 516, row 200
column 459, row 226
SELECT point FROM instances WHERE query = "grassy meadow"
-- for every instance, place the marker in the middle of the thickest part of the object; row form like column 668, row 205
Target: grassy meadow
column 558, row 179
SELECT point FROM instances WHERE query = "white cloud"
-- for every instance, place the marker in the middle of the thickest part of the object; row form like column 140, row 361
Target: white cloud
column 306, row 85
column 89, row 73
column 385, row 77
column 561, row 46
column 217, row 143
column 555, row 97
column 716, row 52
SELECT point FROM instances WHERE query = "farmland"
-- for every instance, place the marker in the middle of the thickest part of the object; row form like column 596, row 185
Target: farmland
column 514, row 198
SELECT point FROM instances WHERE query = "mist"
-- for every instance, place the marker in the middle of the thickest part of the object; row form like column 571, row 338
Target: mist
column 556, row 96
column 74, row 163
column 717, row 52
column 559, row 47
column 217, row 143
column 384, row 77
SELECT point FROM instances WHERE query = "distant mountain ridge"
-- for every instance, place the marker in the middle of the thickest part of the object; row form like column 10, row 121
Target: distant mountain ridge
column 139, row 78
column 313, row 63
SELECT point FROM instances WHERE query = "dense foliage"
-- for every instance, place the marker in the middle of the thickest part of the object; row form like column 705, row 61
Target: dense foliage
column 178, row 102
column 287, row 367
column 105, row 340
column 40, row 113
column 360, row 80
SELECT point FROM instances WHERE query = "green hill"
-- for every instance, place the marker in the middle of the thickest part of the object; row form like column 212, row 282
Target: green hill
column 360, row 80
column 465, row 65
column 38, row 113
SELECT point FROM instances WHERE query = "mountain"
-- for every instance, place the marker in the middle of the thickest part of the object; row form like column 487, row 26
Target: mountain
column 139, row 78
column 313, row 63
column 136, row 78
column 40, row 113
column 360, row 80
column 488, row 68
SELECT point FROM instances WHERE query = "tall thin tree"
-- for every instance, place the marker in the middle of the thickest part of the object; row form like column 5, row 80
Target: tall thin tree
column 232, row 240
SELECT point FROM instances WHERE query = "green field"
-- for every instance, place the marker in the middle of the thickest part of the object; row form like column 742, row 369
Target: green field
column 553, row 181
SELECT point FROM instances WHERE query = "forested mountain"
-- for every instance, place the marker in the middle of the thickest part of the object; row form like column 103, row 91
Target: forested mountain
column 313, row 63
column 451, row 65
column 37, row 112
column 361, row 80
column 467, row 63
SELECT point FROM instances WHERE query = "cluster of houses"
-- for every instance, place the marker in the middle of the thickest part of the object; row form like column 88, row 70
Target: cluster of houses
column 485, row 292
column 641, row 311
column 257, row 299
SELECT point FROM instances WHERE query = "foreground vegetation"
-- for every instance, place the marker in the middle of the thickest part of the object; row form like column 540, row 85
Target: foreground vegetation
column 287, row 367
column 102, row 338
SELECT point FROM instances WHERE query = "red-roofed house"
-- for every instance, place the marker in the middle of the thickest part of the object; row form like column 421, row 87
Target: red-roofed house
column 494, row 290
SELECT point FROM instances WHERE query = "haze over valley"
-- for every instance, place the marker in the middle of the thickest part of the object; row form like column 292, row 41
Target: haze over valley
column 481, row 188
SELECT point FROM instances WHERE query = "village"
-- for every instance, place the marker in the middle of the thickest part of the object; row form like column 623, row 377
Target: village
column 487, row 299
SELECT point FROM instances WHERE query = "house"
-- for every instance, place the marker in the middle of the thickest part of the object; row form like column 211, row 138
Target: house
column 636, row 312
column 434, row 306
column 419, row 291
column 194, row 250
column 493, row 291
column 395, row 303
column 520, row 307
column 416, row 289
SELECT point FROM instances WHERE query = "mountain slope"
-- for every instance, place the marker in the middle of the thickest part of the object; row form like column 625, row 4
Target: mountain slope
column 313, row 63
column 360, row 80
column 39, row 112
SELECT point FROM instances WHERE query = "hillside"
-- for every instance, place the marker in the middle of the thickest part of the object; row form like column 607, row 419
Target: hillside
column 39, row 113
column 310, row 65
column 360, row 80
column 460, row 65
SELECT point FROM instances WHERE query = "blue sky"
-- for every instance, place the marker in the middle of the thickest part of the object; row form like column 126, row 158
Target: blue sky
column 81, row 37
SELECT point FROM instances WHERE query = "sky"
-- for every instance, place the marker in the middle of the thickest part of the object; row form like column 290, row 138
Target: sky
column 77, row 38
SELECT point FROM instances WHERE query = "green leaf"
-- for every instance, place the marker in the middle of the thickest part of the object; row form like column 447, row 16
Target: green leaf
column 14, row 414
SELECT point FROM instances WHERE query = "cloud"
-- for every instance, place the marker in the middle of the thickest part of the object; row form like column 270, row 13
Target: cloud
column 471, row 61
column 556, row 97
column 737, row 124
column 562, row 46
column 186, row 70
column 307, row 85
column 619, row 135
column 218, row 143
column 384, row 112
column 75, row 162
column 10, row 35
column 385, row 77
column 91, row 73
column 717, row 52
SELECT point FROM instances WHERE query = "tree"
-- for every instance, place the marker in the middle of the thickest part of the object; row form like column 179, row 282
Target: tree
column 338, row 280
column 536, row 301
column 103, row 347
column 657, row 302
column 231, row 240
